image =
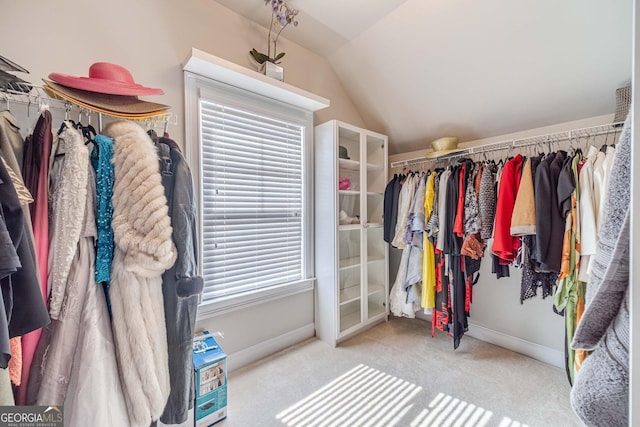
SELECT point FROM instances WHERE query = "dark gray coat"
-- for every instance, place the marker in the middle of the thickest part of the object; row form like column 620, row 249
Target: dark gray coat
column 181, row 284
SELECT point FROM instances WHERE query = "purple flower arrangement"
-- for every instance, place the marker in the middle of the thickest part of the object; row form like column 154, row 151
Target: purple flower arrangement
column 281, row 16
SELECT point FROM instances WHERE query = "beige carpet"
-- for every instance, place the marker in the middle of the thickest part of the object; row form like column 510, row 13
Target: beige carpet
column 397, row 375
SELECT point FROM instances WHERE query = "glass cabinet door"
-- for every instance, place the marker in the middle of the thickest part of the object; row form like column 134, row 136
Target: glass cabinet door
column 349, row 177
column 376, row 272
column 350, row 278
column 375, row 178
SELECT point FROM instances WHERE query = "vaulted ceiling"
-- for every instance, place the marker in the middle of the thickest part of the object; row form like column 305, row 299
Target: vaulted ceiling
column 420, row 69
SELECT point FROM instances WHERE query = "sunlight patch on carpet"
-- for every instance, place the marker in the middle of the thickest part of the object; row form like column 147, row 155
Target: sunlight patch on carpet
column 362, row 396
column 365, row 396
column 448, row 411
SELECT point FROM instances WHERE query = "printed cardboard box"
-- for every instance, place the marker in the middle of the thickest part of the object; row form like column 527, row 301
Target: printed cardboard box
column 210, row 365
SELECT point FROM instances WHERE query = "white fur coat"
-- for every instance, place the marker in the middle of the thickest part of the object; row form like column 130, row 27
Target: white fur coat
column 143, row 251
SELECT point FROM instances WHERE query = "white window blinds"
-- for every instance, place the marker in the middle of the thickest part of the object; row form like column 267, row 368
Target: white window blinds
column 252, row 200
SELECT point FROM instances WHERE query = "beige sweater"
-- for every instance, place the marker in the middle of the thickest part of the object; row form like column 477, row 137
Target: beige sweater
column 523, row 219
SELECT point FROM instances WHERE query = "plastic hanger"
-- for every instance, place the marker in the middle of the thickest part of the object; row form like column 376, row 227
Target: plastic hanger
column 89, row 133
column 65, row 124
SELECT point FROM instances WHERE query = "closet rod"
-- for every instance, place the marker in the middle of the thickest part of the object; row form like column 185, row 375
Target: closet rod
column 551, row 138
column 35, row 95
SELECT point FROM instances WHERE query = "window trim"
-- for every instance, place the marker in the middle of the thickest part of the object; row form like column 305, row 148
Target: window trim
column 197, row 87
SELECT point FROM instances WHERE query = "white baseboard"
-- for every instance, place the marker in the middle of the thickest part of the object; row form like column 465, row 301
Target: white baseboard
column 528, row 348
column 256, row 352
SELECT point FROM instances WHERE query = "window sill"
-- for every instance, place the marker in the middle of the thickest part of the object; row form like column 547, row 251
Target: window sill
column 237, row 302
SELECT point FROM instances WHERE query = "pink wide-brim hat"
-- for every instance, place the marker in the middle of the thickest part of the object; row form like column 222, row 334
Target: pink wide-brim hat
column 124, row 106
column 107, row 78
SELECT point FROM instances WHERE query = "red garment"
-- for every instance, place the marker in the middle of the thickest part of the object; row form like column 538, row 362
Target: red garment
column 442, row 311
column 505, row 246
column 459, row 221
column 468, row 295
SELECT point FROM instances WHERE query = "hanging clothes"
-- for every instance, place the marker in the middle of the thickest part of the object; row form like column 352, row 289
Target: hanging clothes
column 441, row 317
column 398, row 304
column 523, row 218
column 397, row 187
column 144, row 250
column 600, row 394
column 57, row 365
column 532, row 280
column 404, row 205
column 67, row 203
column 28, row 294
column 463, row 268
column 413, row 237
column 452, row 195
column 11, row 233
column 442, row 207
column 453, row 267
column 487, row 200
column 549, row 220
column 498, row 267
column 14, row 226
column 388, row 204
column 505, row 246
column 428, row 266
column 101, row 160
column 416, row 222
column 607, row 164
column 30, row 313
column 442, row 314
column 472, row 222
column 35, row 164
column 68, row 167
column 404, row 297
column 97, row 399
column 35, row 170
column 588, row 214
column 181, row 283
column 566, row 298
column 598, row 181
column 86, row 324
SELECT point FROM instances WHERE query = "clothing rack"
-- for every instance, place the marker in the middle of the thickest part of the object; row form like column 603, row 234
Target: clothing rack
column 547, row 139
column 38, row 97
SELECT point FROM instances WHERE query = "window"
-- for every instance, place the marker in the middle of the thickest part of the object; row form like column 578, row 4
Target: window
column 254, row 184
column 252, row 200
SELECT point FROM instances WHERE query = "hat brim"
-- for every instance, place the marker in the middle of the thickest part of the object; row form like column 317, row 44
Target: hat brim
column 115, row 105
column 108, row 87
column 436, row 154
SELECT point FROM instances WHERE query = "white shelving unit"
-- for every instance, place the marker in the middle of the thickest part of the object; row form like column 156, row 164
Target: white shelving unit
column 351, row 258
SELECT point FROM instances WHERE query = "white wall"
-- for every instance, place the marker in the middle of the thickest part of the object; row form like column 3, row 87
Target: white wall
column 152, row 38
column 496, row 313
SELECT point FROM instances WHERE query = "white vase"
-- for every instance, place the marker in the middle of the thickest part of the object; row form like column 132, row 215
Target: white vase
column 272, row 70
